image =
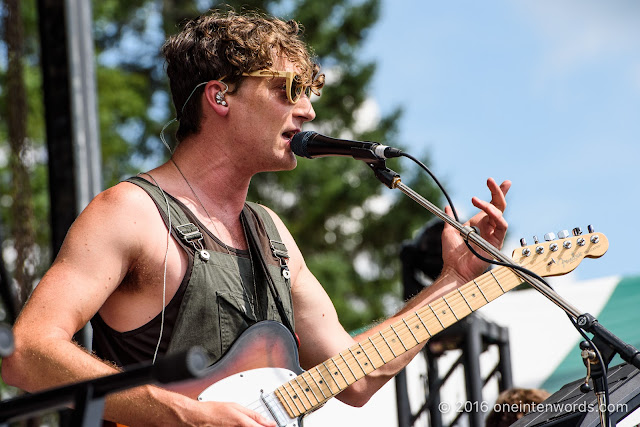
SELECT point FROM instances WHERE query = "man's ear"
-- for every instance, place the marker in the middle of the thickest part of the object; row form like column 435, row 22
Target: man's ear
column 215, row 93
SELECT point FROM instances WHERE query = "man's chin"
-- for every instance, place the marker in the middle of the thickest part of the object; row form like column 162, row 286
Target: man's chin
column 292, row 165
column 290, row 161
column 284, row 165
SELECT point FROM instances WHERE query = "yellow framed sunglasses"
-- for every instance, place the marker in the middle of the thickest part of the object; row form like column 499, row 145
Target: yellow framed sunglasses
column 294, row 87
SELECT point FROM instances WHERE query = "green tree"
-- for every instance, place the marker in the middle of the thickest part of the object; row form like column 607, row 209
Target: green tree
column 334, row 207
column 22, row 174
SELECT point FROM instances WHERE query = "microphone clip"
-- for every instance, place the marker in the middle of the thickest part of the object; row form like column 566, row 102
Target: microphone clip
column 366, row 155
column 385, row 175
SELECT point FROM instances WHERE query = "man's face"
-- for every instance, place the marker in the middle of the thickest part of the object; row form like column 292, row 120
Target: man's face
column 266, row 121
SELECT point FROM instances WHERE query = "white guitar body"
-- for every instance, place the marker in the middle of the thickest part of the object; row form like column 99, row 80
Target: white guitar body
column 262, row 359
column 253, row 389
column 261, row 371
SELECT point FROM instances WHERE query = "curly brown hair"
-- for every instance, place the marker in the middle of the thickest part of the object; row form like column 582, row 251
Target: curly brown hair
column 227, row 44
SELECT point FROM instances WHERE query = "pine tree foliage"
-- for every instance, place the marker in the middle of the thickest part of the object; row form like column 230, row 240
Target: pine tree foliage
column 347, row 224
column 21, row 172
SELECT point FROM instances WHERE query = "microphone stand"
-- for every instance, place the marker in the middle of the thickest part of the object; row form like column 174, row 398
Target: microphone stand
column 89, row 396
column 603, row 340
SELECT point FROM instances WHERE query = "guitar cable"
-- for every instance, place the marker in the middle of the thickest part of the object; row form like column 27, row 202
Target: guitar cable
column 455, row 215
column 523, row 270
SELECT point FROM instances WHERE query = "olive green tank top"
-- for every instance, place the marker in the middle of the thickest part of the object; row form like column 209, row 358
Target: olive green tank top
column 223, row 292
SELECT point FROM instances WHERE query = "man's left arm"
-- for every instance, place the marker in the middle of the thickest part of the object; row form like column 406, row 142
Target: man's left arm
column 318, row 327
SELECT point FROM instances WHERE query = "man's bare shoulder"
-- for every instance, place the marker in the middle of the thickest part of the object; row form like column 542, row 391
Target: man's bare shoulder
column 122, row 196
column 122, row 202
column 119, row 216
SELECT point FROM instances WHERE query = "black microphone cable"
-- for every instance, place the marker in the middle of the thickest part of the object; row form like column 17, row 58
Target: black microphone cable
column 523, row 270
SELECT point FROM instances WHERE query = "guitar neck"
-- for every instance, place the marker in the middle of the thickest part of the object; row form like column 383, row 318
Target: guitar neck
column 314, row 387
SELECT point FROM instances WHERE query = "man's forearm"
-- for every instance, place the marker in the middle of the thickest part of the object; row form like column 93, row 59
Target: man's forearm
column 55, row 363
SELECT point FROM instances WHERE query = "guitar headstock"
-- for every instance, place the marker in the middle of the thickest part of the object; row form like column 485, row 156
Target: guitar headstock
column 561, row 256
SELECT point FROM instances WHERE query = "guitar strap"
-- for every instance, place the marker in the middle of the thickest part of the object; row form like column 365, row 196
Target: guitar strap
column 279, row 251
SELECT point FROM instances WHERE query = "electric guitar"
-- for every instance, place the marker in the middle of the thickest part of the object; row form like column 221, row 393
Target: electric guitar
column 261, row 369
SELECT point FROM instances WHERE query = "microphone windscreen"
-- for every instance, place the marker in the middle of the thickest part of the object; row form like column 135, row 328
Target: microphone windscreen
column 299, row 143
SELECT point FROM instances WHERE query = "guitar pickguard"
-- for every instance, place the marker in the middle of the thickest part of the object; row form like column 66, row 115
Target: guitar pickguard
column 248, row 389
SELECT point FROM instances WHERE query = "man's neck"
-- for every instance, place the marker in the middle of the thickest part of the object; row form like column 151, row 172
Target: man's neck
column 214, row 180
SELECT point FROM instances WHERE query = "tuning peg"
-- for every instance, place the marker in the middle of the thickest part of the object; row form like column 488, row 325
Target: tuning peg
column 563, row 234
column 535, row 239
column 577, row 231
column 590, row 228
column 525, row 251
column 549, row 237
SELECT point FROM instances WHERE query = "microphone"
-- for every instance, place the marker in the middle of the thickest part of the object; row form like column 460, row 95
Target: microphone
column 311, row 145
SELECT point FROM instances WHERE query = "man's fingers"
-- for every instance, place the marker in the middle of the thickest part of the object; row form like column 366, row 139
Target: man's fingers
column 448, row 228
column 493, row 212
column 498, row 193
column 448, row 211
column 256, row 417
column 505, row 186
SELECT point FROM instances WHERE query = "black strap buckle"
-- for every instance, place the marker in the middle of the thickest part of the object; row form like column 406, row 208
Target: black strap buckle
column 191, row 234
column 279, row 251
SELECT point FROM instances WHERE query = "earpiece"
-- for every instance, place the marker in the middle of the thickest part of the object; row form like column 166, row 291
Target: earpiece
column 220, row 95
column 220, row 99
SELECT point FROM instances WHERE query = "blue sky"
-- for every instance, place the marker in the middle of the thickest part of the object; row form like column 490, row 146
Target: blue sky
column 544, row 93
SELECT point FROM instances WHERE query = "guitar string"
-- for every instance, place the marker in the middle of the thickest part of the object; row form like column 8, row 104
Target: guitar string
column 259, row 407
column 492, row 280
column 493, row 283
column 455, row 300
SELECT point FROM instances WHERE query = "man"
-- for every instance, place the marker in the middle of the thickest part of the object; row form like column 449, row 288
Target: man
column 241, row 87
